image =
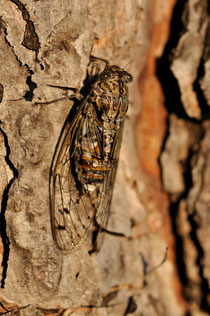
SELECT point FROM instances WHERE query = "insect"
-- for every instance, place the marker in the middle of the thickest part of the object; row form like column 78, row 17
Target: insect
column 85, row 161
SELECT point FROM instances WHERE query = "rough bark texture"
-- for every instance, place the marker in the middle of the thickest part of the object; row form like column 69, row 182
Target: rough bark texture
column 161, row 196
column 185, row 155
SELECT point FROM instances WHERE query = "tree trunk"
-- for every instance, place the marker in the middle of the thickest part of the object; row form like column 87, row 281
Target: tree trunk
column 160, row 264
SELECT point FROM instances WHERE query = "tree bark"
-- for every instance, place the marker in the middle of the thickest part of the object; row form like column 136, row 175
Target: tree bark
column 161, row 194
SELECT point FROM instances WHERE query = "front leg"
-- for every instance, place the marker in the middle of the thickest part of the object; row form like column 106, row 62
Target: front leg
column 76, row 95
column 94, row 68
column 93, row 58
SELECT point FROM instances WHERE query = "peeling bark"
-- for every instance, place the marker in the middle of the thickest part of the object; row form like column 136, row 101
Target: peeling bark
column 184, row 159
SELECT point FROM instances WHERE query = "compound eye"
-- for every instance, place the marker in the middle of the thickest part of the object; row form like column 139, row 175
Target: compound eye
column 104, row 75
column 129, row 78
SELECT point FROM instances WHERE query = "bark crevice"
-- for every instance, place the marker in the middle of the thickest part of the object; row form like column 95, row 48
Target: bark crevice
column 184, row 202
column 10, row 45
column 31, row 39
column 3, row 226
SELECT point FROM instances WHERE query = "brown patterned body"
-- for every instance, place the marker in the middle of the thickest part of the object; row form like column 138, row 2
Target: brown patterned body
column 84, row 167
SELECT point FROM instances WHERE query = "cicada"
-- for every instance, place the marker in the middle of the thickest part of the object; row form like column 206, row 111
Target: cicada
column 85, row 161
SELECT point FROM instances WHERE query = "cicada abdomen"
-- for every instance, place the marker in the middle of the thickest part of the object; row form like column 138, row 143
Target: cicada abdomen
column 85, row 162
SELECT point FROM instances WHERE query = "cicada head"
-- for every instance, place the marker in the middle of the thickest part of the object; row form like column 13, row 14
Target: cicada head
column 112, row 72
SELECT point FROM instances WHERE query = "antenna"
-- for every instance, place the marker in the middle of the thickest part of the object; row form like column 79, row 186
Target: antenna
column 128, row 63
column 98, row 58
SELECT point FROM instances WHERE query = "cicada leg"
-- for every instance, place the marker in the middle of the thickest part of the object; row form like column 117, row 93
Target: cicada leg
column 93, row 72
column 94, row 68
column 93, row 58
column 76, row 95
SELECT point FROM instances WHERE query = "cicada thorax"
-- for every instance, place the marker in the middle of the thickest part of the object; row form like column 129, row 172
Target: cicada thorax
column 112, row 97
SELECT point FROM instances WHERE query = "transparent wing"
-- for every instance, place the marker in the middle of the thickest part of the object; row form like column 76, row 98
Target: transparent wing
column 108, row 185
column 70, row 214
column 78, row 207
